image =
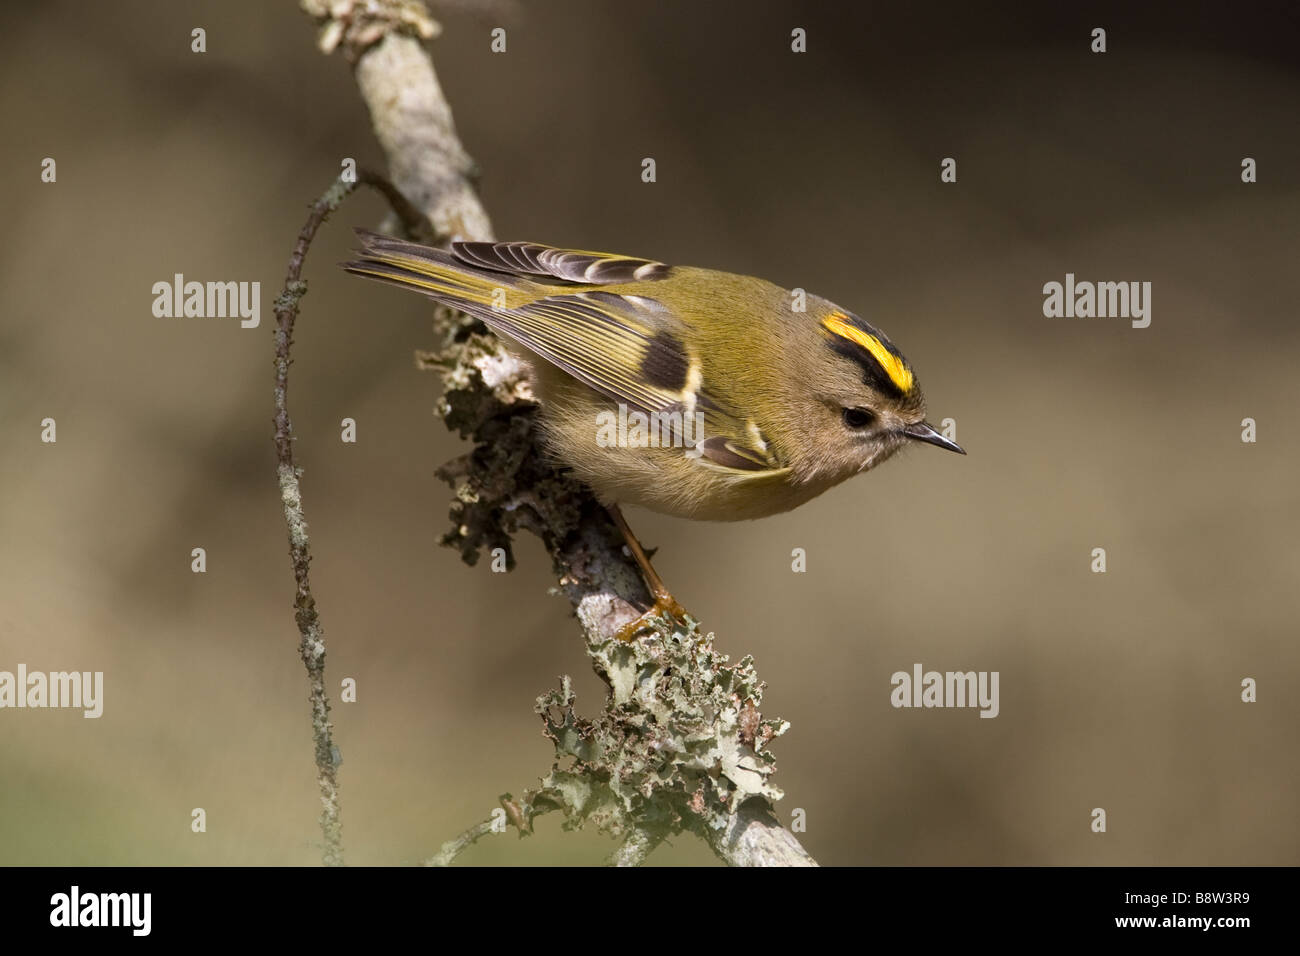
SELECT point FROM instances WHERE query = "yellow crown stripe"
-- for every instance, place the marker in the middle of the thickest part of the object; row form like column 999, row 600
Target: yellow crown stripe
column 837, row 324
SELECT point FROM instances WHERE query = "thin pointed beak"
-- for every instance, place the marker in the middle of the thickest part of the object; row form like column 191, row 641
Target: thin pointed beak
column 924, row 431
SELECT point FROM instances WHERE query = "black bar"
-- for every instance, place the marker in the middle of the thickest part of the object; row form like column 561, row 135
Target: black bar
column 978, row 904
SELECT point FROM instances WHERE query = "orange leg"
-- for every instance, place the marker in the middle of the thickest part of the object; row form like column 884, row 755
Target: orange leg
column 665, row 603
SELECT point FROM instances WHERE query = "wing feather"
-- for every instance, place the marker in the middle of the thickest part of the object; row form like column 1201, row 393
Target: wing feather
column 630, row 347
column 604, row 341
column 536, row 261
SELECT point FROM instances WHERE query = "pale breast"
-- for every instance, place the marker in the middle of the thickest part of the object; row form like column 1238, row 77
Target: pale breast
column 627, row 464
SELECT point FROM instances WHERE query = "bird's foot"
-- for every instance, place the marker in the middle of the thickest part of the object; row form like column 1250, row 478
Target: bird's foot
column 665, row 607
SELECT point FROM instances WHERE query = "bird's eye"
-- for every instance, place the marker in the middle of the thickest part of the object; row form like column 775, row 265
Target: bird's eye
column 858, row 417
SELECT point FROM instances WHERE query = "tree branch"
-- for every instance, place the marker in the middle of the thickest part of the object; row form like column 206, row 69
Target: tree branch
column 681, row 744
column 453, row 848
column 638, row 845
column 753, row 837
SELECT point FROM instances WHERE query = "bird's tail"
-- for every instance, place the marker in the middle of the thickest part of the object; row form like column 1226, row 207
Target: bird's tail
column 438, row 274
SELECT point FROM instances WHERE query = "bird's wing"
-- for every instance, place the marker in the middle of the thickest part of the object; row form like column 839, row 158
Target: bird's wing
column 630, row 347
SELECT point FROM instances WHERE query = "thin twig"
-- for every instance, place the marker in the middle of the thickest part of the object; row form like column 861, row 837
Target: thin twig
column 413, row 221
column 311, row 645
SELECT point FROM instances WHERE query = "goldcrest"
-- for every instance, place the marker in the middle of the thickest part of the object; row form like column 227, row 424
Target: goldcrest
column 687, row 391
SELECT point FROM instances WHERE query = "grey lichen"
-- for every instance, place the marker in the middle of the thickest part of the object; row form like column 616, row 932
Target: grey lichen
column 507, row 482
column 680, row 744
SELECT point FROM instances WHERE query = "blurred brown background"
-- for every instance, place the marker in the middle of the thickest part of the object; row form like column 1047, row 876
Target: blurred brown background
column 819, row 170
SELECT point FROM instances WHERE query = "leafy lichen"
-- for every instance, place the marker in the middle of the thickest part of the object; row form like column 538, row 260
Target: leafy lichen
column 679, row 746
column 680, row 743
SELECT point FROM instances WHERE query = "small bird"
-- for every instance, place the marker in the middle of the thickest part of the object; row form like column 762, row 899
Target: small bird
column 687, row 391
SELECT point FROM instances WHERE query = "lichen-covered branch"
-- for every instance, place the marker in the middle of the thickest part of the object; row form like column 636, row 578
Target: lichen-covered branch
column 311, row 646
column 680, row 745
column 638, row 845
column 455, row 847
